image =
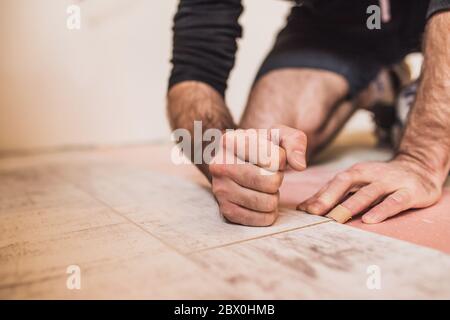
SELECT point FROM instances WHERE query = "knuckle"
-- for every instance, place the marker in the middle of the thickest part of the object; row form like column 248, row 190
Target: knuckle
column 356, row 201
column 269, row 219
column 377, row 188
column 299, row 136
column 217, row 169
column 345, row 176
column 357, row 168
column 229, row 213
column 252, row 180
column 274, row 182
column 400, row 197
column 253, row 201
column 366, row 193
column 218, row 189
column 271, row 203
column 231, row 217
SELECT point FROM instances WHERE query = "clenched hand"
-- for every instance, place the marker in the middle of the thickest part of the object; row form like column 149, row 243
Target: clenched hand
column 247, row 187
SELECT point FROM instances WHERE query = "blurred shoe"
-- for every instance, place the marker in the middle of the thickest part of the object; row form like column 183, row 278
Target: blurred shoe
column 396, row 95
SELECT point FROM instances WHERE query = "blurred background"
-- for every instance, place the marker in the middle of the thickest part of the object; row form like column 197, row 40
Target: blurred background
column 104, row 84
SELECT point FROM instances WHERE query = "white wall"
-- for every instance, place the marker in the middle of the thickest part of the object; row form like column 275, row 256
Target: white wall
column 106, row 83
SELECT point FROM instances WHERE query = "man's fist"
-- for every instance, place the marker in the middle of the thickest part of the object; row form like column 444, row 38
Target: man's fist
column 247, row 172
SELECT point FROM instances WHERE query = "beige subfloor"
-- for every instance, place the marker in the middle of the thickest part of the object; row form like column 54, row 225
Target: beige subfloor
column 138, row 226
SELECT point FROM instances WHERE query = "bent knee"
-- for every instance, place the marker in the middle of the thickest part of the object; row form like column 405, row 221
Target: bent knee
column 294, row 97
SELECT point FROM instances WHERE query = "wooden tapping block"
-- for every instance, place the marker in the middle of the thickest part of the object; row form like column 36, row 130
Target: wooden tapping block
column 340, row 214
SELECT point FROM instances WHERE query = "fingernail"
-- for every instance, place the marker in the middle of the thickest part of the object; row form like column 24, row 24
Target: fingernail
column 371, row 219
column 299, row 157
column 340, row 214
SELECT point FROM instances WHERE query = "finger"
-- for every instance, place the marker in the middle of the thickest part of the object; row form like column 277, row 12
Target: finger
column 303, row 206
column 395, row 203
column 239, row 215
column 358, row 202
column 329, row 196
column 249, row 176
column 294, row 142
column 226, row 188
column 255, row 147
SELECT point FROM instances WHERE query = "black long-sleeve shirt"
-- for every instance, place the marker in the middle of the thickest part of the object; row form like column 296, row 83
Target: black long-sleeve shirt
column 205, row 38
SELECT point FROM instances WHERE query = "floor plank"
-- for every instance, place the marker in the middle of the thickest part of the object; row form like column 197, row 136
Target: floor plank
column 179, row 212
column 139, row 228
column 329, row 261
column 116, row 262
column 49, row 224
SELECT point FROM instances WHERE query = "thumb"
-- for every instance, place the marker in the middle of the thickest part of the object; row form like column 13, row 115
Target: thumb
column 294, row 142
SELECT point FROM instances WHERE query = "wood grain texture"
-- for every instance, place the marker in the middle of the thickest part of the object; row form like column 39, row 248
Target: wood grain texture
column 141, row 229
column 179, row 212
column 329, row 261
column 48, row 225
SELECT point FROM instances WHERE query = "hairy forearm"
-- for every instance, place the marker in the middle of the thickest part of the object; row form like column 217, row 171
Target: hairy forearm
column 191, row 101
column 426, row 139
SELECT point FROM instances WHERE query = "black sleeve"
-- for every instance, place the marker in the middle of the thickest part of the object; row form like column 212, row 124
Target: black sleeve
column 204, row 41
column 438, row 6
